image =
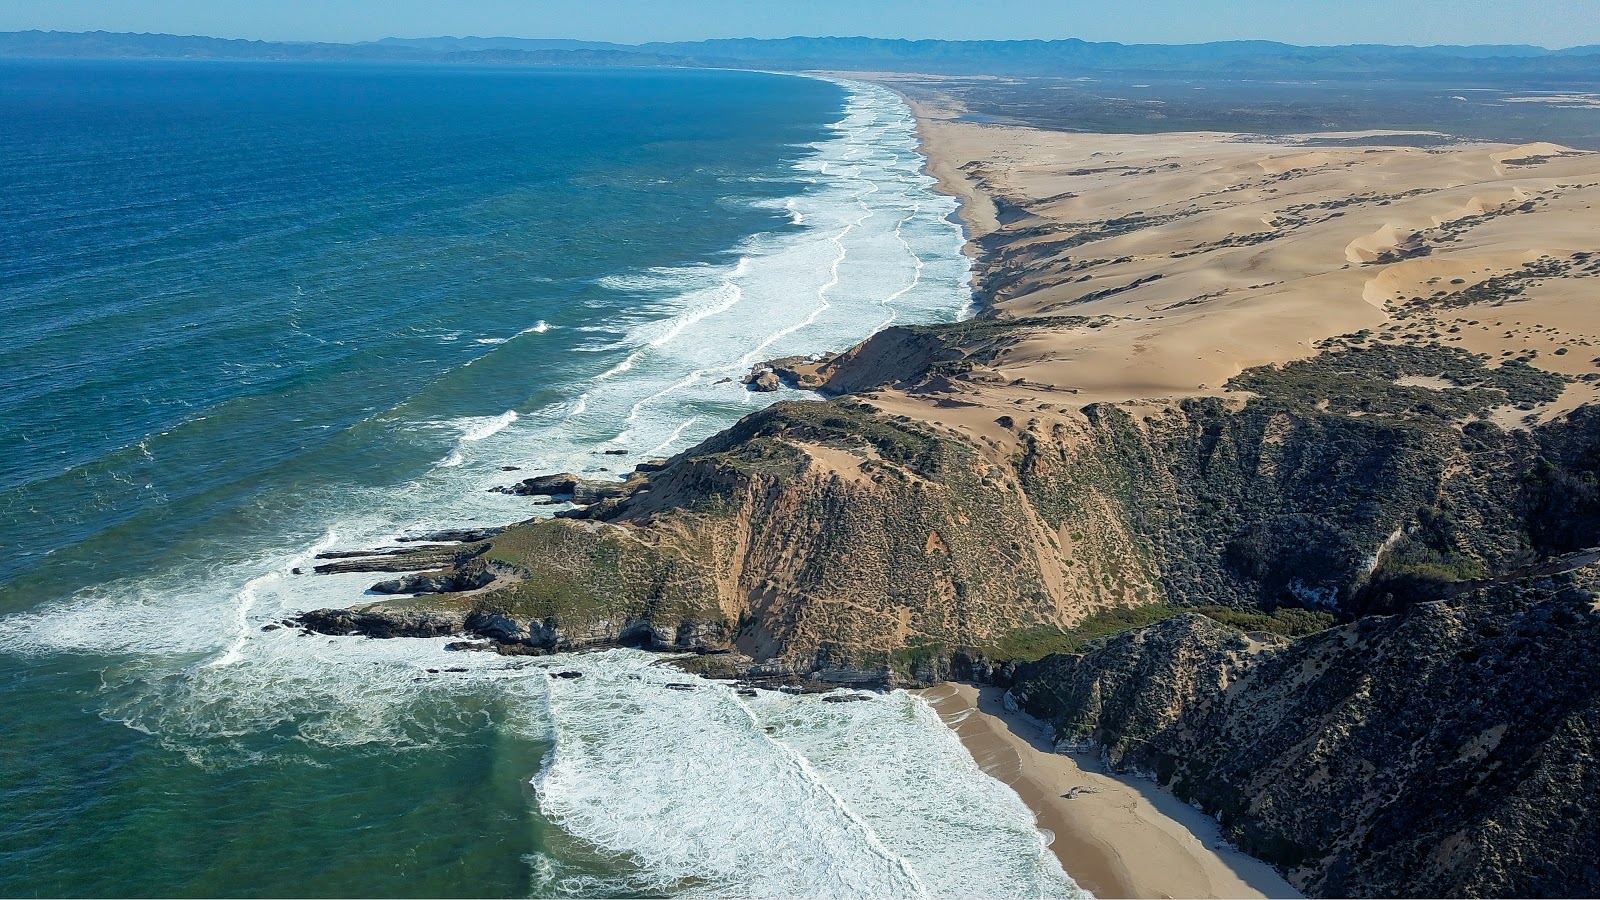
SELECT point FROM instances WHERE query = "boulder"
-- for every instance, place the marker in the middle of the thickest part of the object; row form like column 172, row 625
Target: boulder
column 765, row 382
column 547, row 485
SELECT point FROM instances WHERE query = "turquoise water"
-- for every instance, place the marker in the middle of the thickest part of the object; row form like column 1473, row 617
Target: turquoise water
column 259, row 311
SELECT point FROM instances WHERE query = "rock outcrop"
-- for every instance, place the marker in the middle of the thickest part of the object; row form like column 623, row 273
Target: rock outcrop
column 833, row 536
column 1445, row 751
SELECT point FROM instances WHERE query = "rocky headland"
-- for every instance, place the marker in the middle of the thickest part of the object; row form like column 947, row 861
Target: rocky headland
column 1269, row 472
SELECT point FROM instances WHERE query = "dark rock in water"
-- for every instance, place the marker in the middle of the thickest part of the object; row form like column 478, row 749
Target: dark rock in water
column 799, row 372
column 296, row 571
column 679, row 686
column 511, row 468
column 420, row 559
column 468, row 646
column 616, row 453
column 845, row 698
column 654, row 465
column 457, row 669
column 271, row 626
column 566, row 674
column 547, row 485
column 765, row 382
column 747, row 692
column 380, row 624
column 455, row 535
column 433, row 671
column 519, row 650
column 569, row 486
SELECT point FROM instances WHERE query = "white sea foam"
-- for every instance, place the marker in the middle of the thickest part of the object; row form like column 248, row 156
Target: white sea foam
column 539, row 327
column 780, row 796
column 474, row 429
column 487, row 426
column 774, row 796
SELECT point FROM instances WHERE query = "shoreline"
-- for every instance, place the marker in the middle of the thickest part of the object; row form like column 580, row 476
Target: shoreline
column 975, row 209
column 1117, row 837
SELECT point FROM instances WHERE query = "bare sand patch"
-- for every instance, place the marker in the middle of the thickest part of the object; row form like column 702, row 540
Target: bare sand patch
column 1116, row 837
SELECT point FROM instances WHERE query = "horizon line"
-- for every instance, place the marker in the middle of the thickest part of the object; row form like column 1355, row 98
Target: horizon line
column 794, row 37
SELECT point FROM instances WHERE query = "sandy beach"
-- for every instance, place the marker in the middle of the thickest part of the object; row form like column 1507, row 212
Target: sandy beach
column 1116, row 837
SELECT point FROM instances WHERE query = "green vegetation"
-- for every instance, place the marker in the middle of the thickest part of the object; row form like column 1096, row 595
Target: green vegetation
column 1032, row 644
column 842, row 423
column 1287, row 621
column 1364, row 380
column 914, row 656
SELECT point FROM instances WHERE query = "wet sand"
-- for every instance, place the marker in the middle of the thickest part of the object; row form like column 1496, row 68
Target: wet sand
column 1116, row 837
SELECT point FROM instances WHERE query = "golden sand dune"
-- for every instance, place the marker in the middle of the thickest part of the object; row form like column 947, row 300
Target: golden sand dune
column 1160, row 266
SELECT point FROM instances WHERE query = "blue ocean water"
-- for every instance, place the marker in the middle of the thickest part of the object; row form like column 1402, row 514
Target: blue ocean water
column 256, row 311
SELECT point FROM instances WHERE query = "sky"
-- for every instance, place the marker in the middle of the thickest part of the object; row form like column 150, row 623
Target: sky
column 1550, row 23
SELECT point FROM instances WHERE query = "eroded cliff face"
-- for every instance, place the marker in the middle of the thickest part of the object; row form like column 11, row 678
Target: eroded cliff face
column 1445, row 751
column 837, row 539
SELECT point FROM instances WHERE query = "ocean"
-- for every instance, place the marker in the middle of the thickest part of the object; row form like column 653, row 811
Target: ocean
column 259, row 311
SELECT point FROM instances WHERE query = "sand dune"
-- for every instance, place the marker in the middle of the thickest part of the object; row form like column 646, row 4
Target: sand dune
column 1159, row 266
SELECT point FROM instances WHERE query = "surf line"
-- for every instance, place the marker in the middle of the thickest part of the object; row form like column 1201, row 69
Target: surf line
column 247, row 599
column 825, row 289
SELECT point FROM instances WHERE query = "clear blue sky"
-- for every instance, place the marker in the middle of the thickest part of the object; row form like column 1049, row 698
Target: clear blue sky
column 1551, row 23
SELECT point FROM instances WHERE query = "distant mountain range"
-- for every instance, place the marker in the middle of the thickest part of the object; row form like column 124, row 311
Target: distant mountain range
column 1063, row 57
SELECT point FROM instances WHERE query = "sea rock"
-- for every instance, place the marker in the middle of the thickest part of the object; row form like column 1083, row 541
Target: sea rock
column 766, row 382
column 455, row 535
column 547, row 485
column 565, row 484
column 393, row 561
column 799, row 372
column 380, row 624
column 519, row 650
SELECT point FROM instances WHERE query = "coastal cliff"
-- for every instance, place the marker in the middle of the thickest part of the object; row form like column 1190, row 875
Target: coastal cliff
column 1445, row 751
column 1318, row 468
